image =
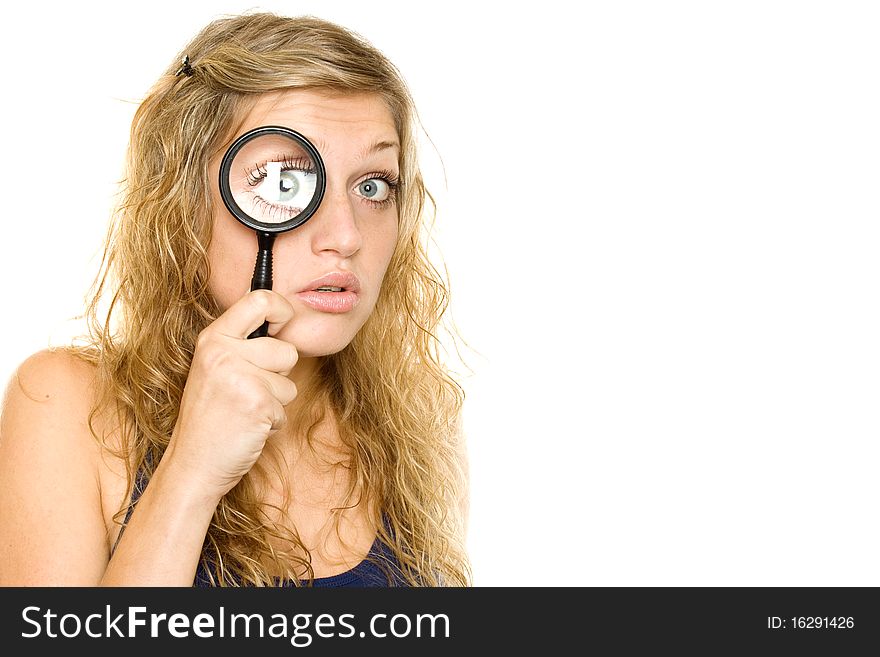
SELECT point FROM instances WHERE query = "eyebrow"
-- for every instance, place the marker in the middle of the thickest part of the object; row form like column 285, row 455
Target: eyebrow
column 377, row 147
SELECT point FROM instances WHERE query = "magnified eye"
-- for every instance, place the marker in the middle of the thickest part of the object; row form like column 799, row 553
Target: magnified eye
column 281, row 189
column 374, row 189
column 285, row 186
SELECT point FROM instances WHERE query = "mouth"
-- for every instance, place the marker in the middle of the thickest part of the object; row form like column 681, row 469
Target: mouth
column 336, row 292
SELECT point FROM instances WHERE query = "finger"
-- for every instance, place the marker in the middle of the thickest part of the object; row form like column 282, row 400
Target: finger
column 248, row 313
column 269, row 354
column 279, row 418
column 282, row 389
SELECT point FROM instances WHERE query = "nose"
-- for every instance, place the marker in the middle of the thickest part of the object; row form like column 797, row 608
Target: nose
column 334, row 226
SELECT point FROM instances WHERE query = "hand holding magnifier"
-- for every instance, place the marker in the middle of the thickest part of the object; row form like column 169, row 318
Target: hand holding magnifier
column 272, row 179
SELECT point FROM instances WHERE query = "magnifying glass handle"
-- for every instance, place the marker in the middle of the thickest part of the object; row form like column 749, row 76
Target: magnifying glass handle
column 262, row 279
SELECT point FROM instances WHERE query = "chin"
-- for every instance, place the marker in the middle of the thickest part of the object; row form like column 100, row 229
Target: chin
column 313, row 340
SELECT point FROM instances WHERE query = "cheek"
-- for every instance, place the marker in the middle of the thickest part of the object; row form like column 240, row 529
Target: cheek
column 387, row 235
column 231, row 254
column 384, row 242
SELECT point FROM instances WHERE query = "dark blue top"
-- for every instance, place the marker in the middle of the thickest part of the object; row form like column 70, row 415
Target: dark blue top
column 366, row 573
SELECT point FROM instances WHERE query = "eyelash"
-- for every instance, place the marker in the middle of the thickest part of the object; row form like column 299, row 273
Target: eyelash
column 287, row 164
column 393, row 182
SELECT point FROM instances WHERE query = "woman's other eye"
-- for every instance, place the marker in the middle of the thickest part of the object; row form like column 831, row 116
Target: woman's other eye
column 378, row 189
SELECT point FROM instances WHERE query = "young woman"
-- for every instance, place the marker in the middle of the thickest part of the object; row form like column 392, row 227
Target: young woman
column 170, row 449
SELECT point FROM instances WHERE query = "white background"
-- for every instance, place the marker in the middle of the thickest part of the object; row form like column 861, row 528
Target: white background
column 661, row 223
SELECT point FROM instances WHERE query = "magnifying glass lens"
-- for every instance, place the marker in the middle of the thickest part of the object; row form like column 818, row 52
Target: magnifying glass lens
column 273, row 179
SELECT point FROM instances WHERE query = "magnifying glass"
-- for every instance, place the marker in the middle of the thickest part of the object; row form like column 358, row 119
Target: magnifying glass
column 272, row 179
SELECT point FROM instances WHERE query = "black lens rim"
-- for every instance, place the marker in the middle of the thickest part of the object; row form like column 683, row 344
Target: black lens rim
column 241, row 215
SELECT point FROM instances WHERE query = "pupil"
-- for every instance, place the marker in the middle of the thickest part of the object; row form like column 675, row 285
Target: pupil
column 288, row 186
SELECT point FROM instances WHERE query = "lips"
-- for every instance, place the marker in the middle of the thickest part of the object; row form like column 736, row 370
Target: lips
column 330, row 300
column 346, row 280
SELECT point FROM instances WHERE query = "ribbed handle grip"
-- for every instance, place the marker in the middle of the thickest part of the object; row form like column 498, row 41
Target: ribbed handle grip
column 262, row 279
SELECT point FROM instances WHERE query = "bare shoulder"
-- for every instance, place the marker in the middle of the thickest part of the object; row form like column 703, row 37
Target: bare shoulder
column 51, row 521
column 54, row 390
column 50, row 387
column 51, row 374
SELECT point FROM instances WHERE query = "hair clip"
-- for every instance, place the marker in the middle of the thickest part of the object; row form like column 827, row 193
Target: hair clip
column 186, row 69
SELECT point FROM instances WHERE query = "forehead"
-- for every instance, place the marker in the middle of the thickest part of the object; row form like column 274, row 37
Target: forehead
column 332, row 120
